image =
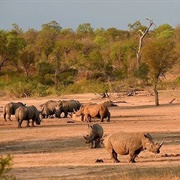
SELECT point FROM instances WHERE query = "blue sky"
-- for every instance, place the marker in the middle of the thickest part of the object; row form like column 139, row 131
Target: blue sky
column 99, row 13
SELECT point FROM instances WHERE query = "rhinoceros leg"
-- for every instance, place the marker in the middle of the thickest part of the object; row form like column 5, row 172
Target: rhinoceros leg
column 108, row 118
column 32, row 123
column 27, row 124
column 87, row 117
column 19, row 123
column 91, row 145
column 114, row 156
column 65, row 114
column 102, row 118
column 5, row 117
column 9, row 117
column 133, row 155
column 97, row 143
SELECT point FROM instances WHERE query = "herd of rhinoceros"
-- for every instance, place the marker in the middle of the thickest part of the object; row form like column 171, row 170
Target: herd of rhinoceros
column 116, row 143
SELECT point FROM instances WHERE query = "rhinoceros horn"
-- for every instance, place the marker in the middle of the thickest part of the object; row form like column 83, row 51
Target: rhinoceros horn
column 85, row 137
column 161, row 144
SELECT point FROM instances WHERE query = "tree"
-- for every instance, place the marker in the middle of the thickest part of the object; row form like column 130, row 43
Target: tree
column 122, row 54
column 85, row 30
column 163, row 31
column 160, row 57
column 10, row 46
column 27, row 60
column 53, row 25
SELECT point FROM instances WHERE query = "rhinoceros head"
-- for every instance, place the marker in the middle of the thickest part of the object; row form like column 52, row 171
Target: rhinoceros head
column 88, row 138
column 80, row 111
column 152, row 146
column 39, row 118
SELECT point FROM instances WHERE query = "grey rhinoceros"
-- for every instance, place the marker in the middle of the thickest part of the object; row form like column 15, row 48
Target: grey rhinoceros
column 66, row 107
column 10, row 108
column 129, row 143
column 48, row 109
column 27, row 113
column 95, row 135
column 94, row 110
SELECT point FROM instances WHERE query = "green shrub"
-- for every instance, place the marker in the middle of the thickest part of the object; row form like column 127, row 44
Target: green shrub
column 5, row 167
column 86, row 86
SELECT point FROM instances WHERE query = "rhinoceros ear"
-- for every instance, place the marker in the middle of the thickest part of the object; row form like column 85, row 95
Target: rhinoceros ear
column 90, row 125
column 147, row 135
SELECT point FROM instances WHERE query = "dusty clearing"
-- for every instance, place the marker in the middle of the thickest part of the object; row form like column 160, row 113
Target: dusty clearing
column 56, row 149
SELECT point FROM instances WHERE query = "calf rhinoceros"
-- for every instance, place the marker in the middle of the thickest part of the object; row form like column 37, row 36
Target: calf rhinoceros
column 130, row 143
column 10, row 108
column 27, row 113
column 94, row 110
column 95, row 135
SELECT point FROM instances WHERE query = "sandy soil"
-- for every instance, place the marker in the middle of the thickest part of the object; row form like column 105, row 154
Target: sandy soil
column 56, row 149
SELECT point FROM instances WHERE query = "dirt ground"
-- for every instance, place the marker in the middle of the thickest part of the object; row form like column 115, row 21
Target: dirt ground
column 56, row 149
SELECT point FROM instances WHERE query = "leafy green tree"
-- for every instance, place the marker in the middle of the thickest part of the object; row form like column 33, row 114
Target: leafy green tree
column 159, row 55
column 163, row 31
column 85, row 30
column 101, row 41
column 176, row 39
column 53, row 25
column 46, row 38
column 27, row 60
column 116, row 34
column 122, row 55
column 30, row 36
column 10, row 46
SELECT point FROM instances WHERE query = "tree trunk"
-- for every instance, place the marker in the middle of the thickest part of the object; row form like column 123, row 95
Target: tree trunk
column 156, row 95
column 2, row 61
column 56, row 78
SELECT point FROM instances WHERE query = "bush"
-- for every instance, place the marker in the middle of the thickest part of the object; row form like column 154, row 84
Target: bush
column 86, row 86
column 5, row 167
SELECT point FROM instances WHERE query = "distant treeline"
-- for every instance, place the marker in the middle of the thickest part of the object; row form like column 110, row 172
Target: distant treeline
column 54, row 60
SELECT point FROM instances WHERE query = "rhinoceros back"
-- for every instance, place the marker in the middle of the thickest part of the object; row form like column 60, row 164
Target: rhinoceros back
column 70, row 105
column 11, row 107
column 96, row 130
column 123, row 142
column 49, row 108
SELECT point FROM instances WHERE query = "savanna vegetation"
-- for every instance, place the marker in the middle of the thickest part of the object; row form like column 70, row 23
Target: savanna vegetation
column 54, row 60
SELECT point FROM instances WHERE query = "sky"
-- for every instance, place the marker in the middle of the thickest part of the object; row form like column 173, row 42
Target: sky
column 99, row 13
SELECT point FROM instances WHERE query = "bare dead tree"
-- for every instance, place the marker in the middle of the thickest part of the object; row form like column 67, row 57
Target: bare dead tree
column 143, row 34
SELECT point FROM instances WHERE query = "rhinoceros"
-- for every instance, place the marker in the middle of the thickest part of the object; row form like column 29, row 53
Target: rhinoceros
column 94, row 110
column 27, row 113
column 49, row 109
column 10, row 108
column 129, row 143
column 67, row 107
column 95, row 135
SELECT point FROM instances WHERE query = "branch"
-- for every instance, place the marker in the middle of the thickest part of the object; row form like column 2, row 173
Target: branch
column 138, row 55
